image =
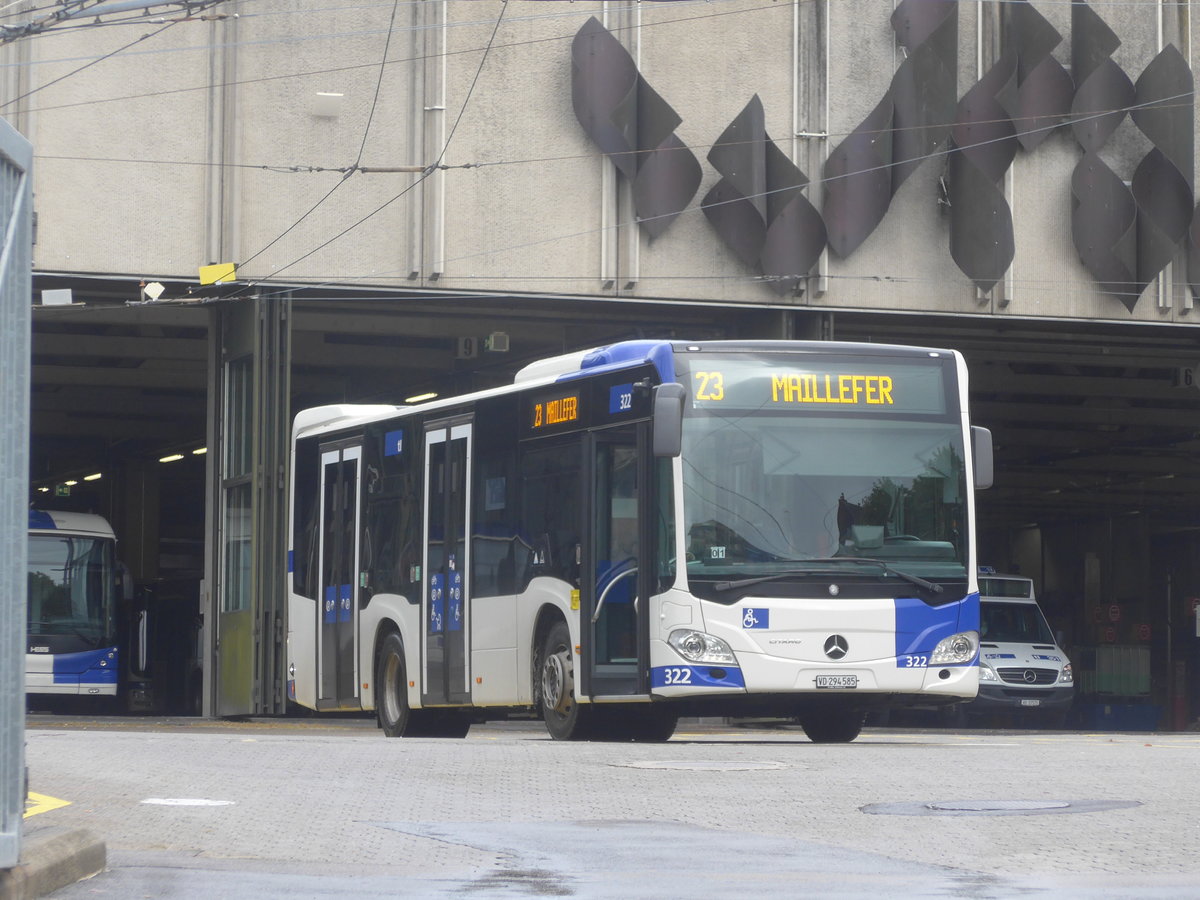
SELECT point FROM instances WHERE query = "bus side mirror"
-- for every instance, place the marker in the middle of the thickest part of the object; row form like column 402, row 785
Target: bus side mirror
column 981, row 446
column 668, row 419
column 125, row 582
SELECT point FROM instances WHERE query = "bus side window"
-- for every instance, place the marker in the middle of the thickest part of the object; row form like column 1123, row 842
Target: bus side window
column 305, row 515
column 551, row 494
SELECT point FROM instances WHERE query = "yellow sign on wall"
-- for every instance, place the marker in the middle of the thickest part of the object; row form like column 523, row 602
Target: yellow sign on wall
column 215, row 274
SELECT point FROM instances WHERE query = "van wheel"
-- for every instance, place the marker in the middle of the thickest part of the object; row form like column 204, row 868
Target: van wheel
column 953, row 716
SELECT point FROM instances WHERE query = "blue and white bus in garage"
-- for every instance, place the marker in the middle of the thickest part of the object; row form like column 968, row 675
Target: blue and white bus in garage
column 72, row 606
column 642, row 531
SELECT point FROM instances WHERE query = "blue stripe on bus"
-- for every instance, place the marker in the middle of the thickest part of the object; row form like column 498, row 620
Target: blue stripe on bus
column 344, row 607
column 330, row 616
column 919, row 626
column 291, row 561
column 697, row 676
column 91, row 666
column 40, row 519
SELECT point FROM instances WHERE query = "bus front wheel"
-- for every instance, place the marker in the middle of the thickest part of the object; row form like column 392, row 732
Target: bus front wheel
column 565, row 719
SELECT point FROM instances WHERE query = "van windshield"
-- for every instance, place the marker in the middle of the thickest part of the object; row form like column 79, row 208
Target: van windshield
column 1013, row 623
column 1006, row 587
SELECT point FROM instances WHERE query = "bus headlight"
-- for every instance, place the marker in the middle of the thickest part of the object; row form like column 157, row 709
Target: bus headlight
column 1066, row 676
column 698, row 647
column 956, row 649
column 986, row 674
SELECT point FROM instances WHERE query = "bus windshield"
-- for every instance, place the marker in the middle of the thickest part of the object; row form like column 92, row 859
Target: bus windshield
column 72, row 588
column 794, row 468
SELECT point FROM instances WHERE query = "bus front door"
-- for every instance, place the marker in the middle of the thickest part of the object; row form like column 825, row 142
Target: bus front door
column 444, row 602
column 615, row 610
column 337, row 625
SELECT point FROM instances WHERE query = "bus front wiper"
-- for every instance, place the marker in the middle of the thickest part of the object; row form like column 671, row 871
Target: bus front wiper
column 791, row 573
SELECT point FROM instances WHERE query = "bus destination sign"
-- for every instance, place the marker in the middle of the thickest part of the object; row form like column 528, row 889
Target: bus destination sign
column 561, row 410
column 865, row 387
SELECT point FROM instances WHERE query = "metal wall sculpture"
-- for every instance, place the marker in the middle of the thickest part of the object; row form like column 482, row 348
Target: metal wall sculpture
column 912, row 121
column 758, row 206
column 1020, row 100
column 1126, row 237
column 1102, row 209
column 633, row 126
column 1163, row 185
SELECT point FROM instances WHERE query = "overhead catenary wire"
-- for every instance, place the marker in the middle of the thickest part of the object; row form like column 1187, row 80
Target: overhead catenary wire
column 362, row 146
column 450, row 137
column 68, row 15
column 1184, row 102
column 42, row 87
column 941, row 153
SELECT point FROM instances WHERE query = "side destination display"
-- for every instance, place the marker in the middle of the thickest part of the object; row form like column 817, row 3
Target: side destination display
column 595, row 403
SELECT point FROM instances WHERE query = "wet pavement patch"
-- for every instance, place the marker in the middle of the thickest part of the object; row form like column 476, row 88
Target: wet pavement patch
column 995, row 807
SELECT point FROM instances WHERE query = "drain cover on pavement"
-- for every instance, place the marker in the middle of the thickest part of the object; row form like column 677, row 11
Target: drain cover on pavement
column 702, row 765
column 996, row 807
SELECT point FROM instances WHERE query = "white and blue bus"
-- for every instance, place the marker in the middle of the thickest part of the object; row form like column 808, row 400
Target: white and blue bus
column 72, row 607
column 643, row 531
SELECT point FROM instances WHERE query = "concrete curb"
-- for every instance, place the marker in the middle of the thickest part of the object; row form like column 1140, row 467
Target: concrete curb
column 52, row 857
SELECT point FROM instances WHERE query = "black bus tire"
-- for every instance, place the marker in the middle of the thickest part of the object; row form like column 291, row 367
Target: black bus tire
column 565, row 719
column 391, row 688
column 832, row 726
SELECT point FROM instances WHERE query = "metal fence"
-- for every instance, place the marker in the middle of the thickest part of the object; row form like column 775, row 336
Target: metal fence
column 16, row 248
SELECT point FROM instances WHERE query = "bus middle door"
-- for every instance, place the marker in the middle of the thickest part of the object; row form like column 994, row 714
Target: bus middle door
column 616, row 652
column 337, row 625
column 444, row 599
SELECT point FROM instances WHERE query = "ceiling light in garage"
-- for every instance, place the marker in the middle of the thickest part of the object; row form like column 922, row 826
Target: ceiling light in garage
column 71, row 483
column 95, row 476
column 199, row 451
column 174, row 457
column 420, row 398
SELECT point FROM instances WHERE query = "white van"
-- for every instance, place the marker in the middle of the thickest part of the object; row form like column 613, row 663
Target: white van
column 1022, row 670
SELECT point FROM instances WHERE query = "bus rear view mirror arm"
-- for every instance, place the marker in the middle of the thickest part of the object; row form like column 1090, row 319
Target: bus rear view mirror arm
column 668, row 419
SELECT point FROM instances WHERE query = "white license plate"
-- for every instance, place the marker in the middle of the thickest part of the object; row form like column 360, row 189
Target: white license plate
column 1031, row 702
column 837, row 681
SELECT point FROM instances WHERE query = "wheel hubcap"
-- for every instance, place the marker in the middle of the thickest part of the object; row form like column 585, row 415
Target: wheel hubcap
column 391, row 699
column 556, row 682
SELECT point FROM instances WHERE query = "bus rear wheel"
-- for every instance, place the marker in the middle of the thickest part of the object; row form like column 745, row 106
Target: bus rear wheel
column 565, row 719
column 396, row 717
column 832, row 726
column 391, row 688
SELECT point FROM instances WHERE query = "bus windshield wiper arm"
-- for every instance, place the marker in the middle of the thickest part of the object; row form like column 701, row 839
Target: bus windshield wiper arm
column 911, row 579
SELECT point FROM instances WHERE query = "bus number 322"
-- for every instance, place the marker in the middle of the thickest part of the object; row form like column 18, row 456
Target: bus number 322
column 916, row 662
column 677, row 675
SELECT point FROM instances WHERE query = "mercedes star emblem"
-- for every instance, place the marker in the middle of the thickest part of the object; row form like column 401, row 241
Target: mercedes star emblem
column 836, row 646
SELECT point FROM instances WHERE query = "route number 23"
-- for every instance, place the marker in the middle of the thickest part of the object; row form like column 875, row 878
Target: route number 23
column 710, row 386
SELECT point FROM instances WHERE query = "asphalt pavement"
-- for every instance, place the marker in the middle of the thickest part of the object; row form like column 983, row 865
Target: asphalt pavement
column 330, row 808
